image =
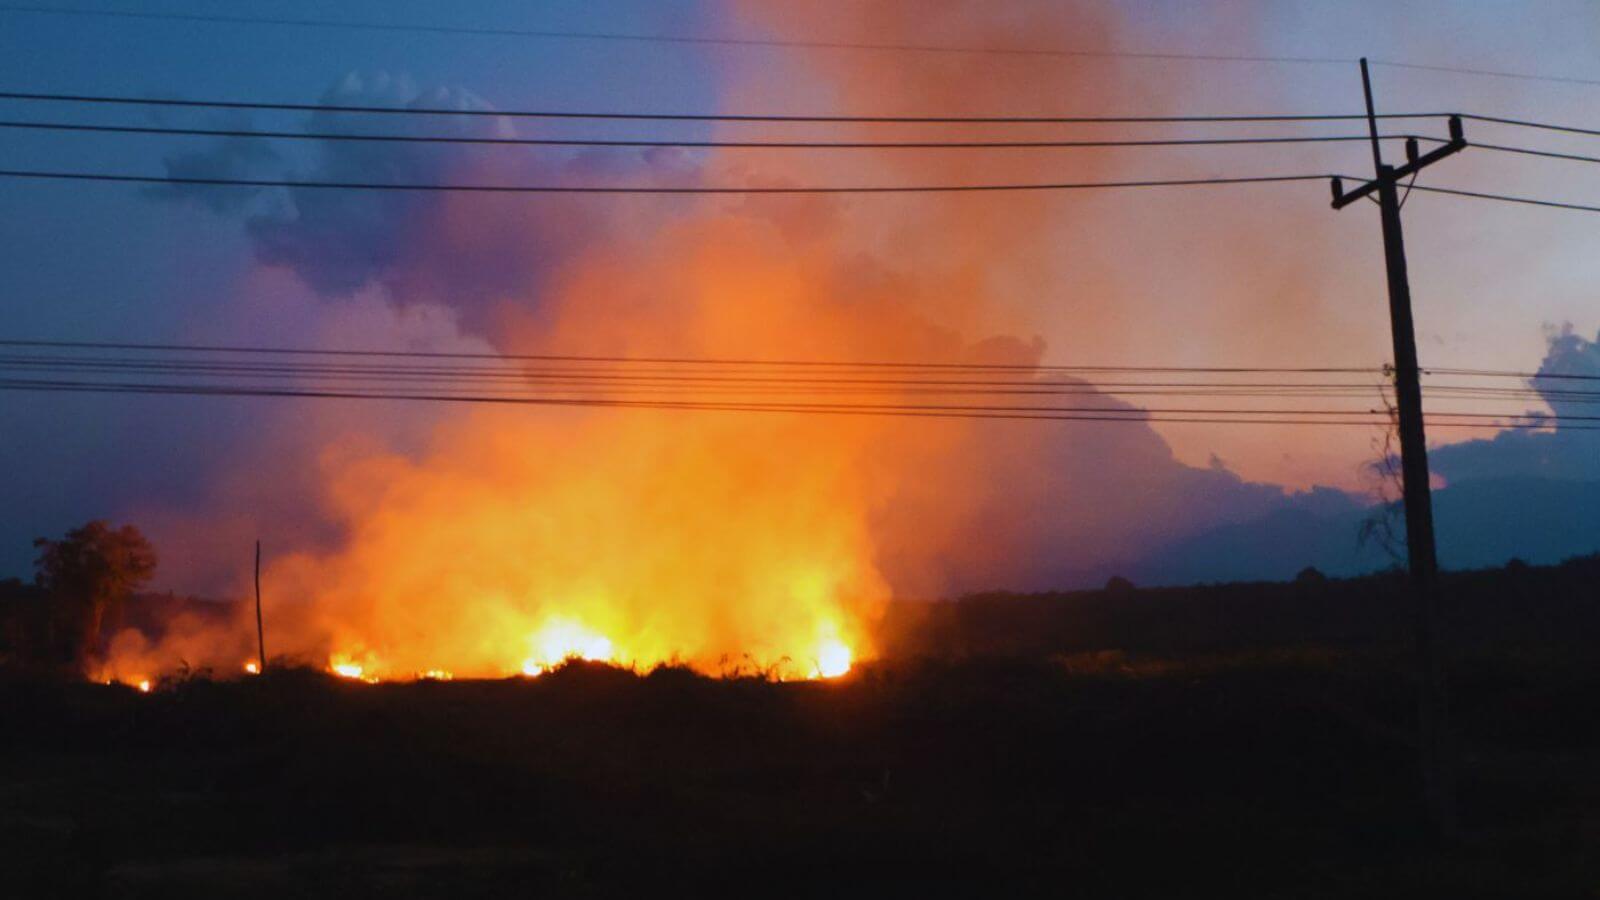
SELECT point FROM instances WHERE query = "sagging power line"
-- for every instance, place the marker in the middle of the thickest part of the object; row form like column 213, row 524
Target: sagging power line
column 661, row 360
column 718, row 144
column 747, row 382
column 780, row 43
column 433, row 187
column 1079, row 414
column 417, row 110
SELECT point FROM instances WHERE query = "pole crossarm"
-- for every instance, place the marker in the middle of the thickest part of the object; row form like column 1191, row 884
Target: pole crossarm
column 1456, row 144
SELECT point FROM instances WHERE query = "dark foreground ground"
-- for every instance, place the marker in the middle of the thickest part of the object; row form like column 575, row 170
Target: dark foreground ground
column 1250, row 771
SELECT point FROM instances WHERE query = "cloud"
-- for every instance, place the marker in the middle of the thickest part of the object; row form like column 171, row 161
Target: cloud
column 1533, row 495
column 1568, row 452
column 226, row 158
column 476, row 251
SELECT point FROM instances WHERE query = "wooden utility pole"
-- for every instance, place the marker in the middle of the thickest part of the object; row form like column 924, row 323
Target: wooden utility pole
column 1433, row 732
column 261, row 639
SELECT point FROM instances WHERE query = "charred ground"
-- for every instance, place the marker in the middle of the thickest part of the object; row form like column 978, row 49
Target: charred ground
column 1249, row 739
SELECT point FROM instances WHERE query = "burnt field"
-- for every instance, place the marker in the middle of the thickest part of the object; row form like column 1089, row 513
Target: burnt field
column 1248, row 739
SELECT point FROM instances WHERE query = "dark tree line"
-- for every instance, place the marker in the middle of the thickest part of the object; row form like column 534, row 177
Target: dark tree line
column 81, row 584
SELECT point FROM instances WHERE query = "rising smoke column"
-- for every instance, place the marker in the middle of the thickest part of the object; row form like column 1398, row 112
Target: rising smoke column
column 713, row 538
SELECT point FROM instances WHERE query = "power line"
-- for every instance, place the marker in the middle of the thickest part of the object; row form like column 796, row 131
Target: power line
column 1528, row 123
column 1528, row 151
column 631, row 142
column 905, row 410
column 1503, row 198
column 1506, row 198
column 586, row 379
column 1096, row 415
column 588, row 383
column 124, row 100
column 664, row 360
column 1490, row 73
column 778, row 43
column 746, row 376
column 104, row 99
column 778, row 145
column 624, row 379
column 644, row 189
column 711, row 40
column 861, row 387
column 1502, row 373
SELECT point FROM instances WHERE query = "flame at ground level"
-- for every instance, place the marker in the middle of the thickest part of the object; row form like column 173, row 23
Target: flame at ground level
column 564, row 640
column 833, row 660
column 505, row 542
column 515, row 545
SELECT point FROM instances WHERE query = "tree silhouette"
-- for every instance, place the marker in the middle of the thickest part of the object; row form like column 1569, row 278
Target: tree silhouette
column 89, row 574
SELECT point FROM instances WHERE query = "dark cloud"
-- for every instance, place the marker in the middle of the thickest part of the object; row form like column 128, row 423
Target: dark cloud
column 1566, row 453
column 1481, row 523
column 231, row 158
column 1533, row 495
column 468, row 252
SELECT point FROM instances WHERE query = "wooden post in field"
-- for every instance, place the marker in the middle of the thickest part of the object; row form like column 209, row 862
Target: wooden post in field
column 261, row 640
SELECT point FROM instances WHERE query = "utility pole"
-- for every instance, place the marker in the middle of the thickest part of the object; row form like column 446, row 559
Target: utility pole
column 1433, row 733
column 261, row 638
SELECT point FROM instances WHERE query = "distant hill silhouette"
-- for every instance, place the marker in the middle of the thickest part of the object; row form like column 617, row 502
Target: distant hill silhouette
column 1483, row 522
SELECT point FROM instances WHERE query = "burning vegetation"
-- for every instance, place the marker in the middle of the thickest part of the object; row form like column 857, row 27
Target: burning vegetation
column 503, row 542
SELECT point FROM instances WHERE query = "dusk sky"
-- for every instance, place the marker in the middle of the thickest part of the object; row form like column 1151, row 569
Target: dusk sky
column 823, row 448
column 1261, row 275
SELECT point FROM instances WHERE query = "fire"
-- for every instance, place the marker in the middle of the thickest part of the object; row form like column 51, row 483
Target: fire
column 563, row 639
column 485, row 542
column 833, row 660
column 144, row 685
column 346, row 667
column 488, row 542
column 486, row 560
column 252, row 669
